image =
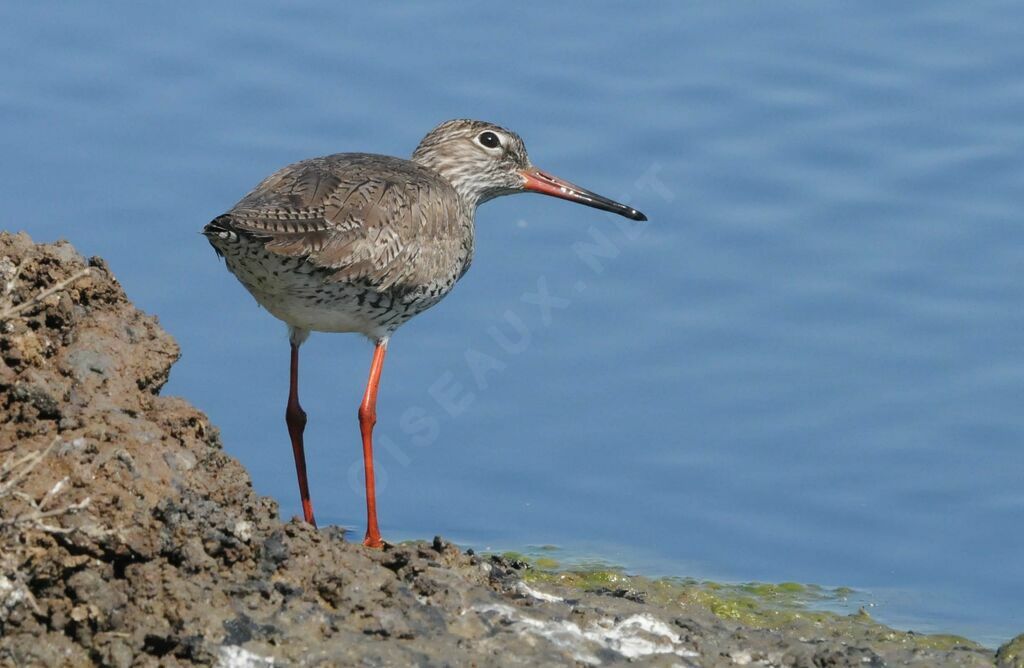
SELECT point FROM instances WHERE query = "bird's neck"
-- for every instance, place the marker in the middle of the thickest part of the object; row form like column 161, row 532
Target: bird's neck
column 463, row 177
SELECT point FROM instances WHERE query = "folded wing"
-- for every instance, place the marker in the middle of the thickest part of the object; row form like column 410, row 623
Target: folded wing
column 362, row 218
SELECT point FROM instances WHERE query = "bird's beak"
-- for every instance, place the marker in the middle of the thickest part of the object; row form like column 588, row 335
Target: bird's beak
column 541, row 182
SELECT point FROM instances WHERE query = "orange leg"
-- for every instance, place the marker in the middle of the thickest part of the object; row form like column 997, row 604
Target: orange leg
column 368, row 418
column 295, row 418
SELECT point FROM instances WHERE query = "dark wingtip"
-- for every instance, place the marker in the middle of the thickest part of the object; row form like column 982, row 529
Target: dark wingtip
column 638, row 216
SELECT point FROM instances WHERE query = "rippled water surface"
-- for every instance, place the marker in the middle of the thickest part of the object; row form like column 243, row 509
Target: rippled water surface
column 807, row 366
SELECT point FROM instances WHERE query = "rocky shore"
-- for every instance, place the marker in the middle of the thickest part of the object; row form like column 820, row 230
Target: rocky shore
column 129, row 537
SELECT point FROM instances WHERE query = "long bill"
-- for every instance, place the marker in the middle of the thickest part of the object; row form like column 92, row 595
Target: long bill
column 546, row 184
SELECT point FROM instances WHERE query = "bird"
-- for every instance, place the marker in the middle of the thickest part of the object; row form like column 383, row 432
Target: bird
column 361, row 243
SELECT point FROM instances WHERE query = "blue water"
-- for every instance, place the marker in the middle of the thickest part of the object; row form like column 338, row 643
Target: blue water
column 808, row 366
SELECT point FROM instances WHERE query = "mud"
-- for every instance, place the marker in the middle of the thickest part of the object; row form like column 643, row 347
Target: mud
column 129, row 538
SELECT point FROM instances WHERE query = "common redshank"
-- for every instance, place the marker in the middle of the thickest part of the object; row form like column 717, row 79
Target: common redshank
column 356, row 242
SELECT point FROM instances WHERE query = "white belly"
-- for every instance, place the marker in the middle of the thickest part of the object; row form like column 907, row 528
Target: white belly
column 299, row 294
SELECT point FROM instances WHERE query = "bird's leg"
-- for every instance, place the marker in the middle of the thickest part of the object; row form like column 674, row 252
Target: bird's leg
column 368, row 418
column 295, row 417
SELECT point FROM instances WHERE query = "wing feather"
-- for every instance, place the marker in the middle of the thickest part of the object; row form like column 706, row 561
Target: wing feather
column 382, row 220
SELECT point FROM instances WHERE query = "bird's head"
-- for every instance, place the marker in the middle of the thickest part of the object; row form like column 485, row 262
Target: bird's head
column 483, row 161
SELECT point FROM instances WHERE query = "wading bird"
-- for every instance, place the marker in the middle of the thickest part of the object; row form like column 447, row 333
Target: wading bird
column 356, row 242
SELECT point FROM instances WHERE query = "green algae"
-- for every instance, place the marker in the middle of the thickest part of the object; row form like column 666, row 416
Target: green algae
column 546, row 563
column 780, row 606
column 1012, row 653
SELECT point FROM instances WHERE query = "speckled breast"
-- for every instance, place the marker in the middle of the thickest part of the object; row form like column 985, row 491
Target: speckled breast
column 305, row 297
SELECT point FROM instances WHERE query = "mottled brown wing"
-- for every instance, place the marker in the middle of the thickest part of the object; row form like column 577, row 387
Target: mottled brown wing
column 363, row 217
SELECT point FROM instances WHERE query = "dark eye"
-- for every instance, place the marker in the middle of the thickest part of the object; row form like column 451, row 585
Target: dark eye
column 489, row 139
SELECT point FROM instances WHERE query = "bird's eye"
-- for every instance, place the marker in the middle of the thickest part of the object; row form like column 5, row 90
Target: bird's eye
column 489, row 139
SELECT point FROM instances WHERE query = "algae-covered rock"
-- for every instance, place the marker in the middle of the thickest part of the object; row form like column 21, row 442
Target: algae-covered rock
column 1011, row 655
